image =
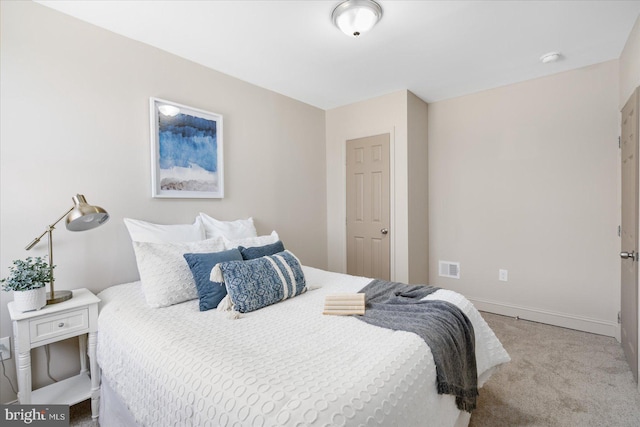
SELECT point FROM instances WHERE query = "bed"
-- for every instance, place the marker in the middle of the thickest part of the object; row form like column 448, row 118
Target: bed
column 169, row 357
column 285, row 364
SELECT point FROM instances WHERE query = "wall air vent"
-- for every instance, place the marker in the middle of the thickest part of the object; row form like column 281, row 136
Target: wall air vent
column 449, row 269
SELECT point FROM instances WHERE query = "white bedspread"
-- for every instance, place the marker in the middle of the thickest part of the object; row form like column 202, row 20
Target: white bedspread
column 285, row 364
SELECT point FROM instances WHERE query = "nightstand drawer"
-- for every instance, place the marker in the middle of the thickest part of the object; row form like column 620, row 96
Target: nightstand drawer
column 48, row 327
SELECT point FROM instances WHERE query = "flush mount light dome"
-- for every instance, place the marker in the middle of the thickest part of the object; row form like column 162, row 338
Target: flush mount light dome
column 355, row 17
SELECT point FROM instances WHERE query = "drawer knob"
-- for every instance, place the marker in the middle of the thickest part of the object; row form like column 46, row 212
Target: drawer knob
column 60, row 325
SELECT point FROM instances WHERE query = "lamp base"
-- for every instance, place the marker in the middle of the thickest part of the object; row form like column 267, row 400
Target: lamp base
column 59, row 297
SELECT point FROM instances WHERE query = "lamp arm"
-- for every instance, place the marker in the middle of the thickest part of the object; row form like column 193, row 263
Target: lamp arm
column 48, row 230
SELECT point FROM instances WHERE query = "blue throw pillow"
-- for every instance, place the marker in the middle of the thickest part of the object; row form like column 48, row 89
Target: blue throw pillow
column 260, row 282
column 210, row 293
column 260, row 251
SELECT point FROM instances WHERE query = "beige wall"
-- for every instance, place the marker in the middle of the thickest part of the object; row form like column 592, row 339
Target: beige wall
column 630, row 64
column 629, row 81
column 385, row 114
column 418, row 201
column 526, row 178
column 74, row 113
column 403, row 115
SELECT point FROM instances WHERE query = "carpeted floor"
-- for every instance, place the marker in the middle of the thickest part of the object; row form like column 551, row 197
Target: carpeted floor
column 80, row 415
column 557, row 377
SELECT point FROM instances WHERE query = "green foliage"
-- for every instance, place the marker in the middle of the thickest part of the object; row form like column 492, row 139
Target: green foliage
column 31, row 273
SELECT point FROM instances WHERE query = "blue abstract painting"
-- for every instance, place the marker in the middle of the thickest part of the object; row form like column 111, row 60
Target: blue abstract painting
column 188, row 160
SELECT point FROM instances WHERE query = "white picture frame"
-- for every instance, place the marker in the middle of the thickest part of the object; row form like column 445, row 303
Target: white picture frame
column 186, row 151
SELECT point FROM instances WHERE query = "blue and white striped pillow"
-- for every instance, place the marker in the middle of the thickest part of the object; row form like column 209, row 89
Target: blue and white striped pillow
column 260, row 282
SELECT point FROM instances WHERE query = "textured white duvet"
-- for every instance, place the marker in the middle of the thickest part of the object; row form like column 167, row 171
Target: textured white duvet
column 285, row 364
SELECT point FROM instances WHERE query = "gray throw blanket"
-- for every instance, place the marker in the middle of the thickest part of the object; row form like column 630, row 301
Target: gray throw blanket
column 443, row 326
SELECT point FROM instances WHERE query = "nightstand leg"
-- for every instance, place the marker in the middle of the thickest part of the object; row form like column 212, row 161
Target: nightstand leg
column 83, row 353
column 23, row 362
column 95, row 375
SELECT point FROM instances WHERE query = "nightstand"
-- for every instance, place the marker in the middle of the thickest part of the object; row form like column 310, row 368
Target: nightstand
column 77, row 317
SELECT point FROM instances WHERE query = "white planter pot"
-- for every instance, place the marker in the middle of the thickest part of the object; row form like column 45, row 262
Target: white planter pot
column 33, row 299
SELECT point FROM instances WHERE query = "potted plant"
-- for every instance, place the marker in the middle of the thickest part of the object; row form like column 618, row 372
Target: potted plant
column 27, row 280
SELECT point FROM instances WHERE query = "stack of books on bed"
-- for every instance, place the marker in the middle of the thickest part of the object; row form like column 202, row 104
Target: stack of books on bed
column 344, row 304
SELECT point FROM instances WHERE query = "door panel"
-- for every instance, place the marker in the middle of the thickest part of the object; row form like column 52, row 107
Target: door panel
column 629, row 232
column 368, row 207
column 377, row 263
column 376, row 195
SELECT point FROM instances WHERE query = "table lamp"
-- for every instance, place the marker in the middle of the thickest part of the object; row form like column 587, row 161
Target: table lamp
column 80, row 217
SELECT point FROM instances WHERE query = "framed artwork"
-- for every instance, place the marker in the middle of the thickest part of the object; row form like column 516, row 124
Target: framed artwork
column 186, row 151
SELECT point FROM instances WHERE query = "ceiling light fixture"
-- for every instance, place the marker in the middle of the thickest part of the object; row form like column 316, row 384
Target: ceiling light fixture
column 550, row 57
column 355, row 17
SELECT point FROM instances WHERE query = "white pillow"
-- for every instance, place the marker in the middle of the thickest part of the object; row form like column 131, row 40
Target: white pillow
column 251, row 242
column 238, row 229
column 142, row 231
column 165, row 275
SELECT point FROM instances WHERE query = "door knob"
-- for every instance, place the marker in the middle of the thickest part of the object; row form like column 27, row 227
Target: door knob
column 627, row 255
column 384, row 231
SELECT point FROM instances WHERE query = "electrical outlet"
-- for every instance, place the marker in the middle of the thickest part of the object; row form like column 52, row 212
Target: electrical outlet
column 5, row 347
column 503, row 275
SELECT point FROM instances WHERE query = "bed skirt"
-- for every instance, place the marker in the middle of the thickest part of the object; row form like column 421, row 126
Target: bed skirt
column 113, row 412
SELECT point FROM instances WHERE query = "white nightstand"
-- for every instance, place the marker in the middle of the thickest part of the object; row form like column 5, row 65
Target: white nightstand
column 75, row 317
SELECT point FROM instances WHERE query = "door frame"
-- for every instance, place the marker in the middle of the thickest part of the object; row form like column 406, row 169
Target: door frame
column 392, row 194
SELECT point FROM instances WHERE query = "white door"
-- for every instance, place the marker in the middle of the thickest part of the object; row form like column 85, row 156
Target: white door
column 368, row 207
column 629, row 232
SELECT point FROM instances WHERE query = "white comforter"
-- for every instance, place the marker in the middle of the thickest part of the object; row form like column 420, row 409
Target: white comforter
column 285, row 364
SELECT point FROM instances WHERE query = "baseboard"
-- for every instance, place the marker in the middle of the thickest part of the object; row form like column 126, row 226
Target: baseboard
column 580, row 323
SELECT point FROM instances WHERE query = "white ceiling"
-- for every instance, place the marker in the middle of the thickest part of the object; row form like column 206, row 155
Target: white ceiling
column 436, row 49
